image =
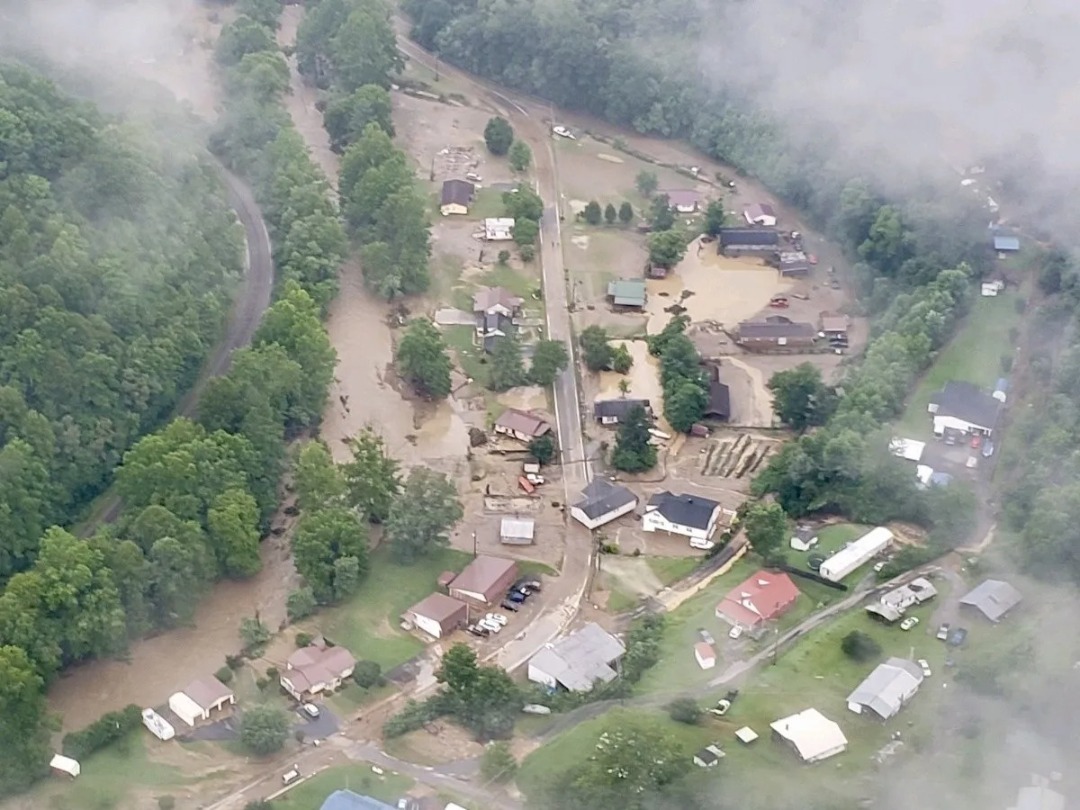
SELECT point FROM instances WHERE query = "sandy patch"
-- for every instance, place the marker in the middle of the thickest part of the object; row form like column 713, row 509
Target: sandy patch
column 580, row 241
column 577, row 206
column 632, row 574
column 610, row 158
column 751, row 400
column 525, row 398
column 644, row 379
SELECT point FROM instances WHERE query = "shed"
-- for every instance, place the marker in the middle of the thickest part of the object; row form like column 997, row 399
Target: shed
column 811, row 734
column 438, row 615
column 200, row 698
column 705, row 655
column 708, row 756
column 746, row 735
column 498, row 229
column 908, row 449
column 627, row 292
column 65, row 765
column 517, row 531
column 760, row 214
column 484, row 580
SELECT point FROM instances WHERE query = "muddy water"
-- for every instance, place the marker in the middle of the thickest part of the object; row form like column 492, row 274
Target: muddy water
column 644, row 379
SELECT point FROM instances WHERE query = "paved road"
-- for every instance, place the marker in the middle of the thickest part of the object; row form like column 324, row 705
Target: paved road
column 252, row 300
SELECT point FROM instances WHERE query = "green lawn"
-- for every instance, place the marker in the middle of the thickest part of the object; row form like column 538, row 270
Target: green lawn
column 368, row 623
column 358, row 778
column 974, row 355
column 487, row 203
column 521, row 285
column 470, row 356
column 671, row 569
column 831, row 539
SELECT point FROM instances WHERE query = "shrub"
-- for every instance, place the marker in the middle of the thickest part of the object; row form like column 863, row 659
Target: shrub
column 367, row 674
column 225, row 674
column 234, row 661
column 255, row 635
column 272, row 673
column 300, row 604
column 858, row 646
column 303, row 639
column 101, row 733
column 166, row 802
column 504, row 256
column 263, row 730
column 684, row 710
column 528, row 253
column 497, row 763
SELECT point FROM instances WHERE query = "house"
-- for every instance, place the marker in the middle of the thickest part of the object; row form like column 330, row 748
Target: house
column 627, row 292
column 990, row 289
column 438, row 615
column 855, row 554
column 498, row 229
column 794, row 264
column 689, row 515
column 685, row 201
column 719, row 404
column 521, row 425
column 804, row 539
column 457, row 195
column 761, row 214
column 517, row 531
column 200, row 698
column 347, row 800
column 601, row 503
column 705, row 655
column 578, row 661
column 760, row 598
column 834, row 327
column 614, row 411
column 496, row 301
column 908, row 449
column 965, row 407
column 484, row 580
column 774, row 333
column 916, row 592
column 813, row 736
column 490, row 328
column 1006, row 244
column 316, row 668
column 993, row 598
column 887, row 689
column 735, row 241
column 708, row 756
column 1038, row 797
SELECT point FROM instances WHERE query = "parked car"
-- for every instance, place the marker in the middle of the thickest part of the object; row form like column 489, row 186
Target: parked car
column 489, row 625
column 922, row 662
column 879, row 565
column 721, row 708
column 533, row 585
column 987, row 449
column 291, row 775
column 943, row 632
column 909, row 622
column 477, row 630
column 706, row 636
column 563, row 132
column 506, row 604
column 310, row 709
column 515, row 596
column 976, row 440
column 735, row 632
column 498, row 618
column 957, row 637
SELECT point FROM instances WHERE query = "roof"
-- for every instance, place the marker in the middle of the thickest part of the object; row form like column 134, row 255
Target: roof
column 495, row 224
column 707, row 756
column 812, row 733
column 719, row 405
column 347, row 800
column 522, row 422
column 967, row 401
column 207, row 692
column 915, row 592
column 518, row 528
column 459, row 192
column 704, row 651
column 757, row 210
column 684, row 510
column 865, row 547
column 1038, row 797
column 746, row 734
column 438, row 607
column 993, row 597
column 1006, row 243
column 601, row 497
column 618, row 408
column 885, row 689
column 487, row 297
column 681, row 196
column 317, row 664
column 581, row 658
column 907, row 449
column 772, row 330
column 760, row 597
column 834, row 323
column 482, row 574
column 627, row 292
column 748, row 236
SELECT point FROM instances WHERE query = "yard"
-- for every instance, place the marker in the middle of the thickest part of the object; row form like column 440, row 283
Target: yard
column 359, row 778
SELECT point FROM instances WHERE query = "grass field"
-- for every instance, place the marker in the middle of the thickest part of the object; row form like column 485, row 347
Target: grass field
column 488, row 202
column 503, row 275
column 671, row 569
column 368, row 623
column 358, row 778
column 470, row 356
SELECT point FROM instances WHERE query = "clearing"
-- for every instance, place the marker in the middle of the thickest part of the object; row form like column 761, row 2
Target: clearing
column 389, row 787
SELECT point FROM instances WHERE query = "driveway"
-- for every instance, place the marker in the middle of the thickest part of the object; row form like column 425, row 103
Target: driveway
column 317, row 728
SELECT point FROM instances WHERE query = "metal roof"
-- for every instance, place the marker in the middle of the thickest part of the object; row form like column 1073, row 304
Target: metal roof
column 347, row 800
column 581, row 659
column 683, row 510
column 993, row 597
column 1006, row 243
column 627, row 292
column 966, row 401
column 517, row 529
column 885, row 690
column 601, row 497
column 814, row 735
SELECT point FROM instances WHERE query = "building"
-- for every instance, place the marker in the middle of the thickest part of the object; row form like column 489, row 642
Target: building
column 719, row 404
column 775, row 333
column 498, row 229
column 1001, row 390
column 347, row 800
column 438, row 615
column 811, row 734
column 709, row 756
column 627, row 292
column 1006, row 244
column 578, row 661
column 908, row 449
column 457, row 196
column 761, row 214
column 761, row 598
column 735, row 241
column 316, row 668
column 1038, row 797
column 158, row 725
column 601, row 503
column 990, row 289
column 746, row 735
column 804, row 539
column 485, row 580
column 496, row 301
column 834, row 327
column 993, row 598
column 705, row 655
column 65, row 765
column 887, row 689
column 855, row 554
column 794, row 264
column 517, row 531
column 685, row 201
column 490, row 328
column 614, row 411
column 200, row 698
column 916, row 592
column 689, row 515
column 521, row 425
column 964, row 407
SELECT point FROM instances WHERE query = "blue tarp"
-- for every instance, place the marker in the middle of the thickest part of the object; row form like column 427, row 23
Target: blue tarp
column 347, row 800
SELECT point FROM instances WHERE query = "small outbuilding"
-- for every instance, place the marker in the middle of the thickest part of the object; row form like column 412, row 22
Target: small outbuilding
column 746, row 735
column 499, row 229
column 457, row 196
column 485, row 580
column 908, row 449
column 438, row 615
column 993, row 598
column 705, row 655
column 761, row 214
column 709, row 756
column 515, row 531
column 200, row 699
column 628, row 293
column 65, row 765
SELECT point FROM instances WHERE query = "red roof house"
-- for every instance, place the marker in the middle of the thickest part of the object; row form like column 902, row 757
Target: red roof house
column 765, row 596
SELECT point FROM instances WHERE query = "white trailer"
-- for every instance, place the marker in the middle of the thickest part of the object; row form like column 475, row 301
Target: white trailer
column 65, row 765
column 158, row 725
column 857, row 553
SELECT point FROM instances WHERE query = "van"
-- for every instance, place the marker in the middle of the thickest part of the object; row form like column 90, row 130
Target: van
column 291, row 776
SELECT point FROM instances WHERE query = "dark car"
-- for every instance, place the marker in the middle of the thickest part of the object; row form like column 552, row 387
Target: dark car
column 515, row 596
column 814, row 562
column 506, row 604
column 476, row 630
column 957, row 637
column 987, row 449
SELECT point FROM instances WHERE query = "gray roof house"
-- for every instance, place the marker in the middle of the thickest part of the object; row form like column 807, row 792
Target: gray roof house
column 964, row 406
column 613, row 411
column 887, row 689
column 627, row 292
column 689, row 515
column 993, row 598
column 579, row 660
column 748, row 240
column 602, row 502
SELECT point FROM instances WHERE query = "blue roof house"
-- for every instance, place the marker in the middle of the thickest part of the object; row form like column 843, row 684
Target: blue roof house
column 1006, row 244
column 347, row 800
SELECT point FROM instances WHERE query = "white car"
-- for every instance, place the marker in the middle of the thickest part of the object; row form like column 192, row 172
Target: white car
column 735, row 632
column 922, row 662
column 878, row 566
column 498, row 618
column 310, row 709
column 563, row 132
column 909, row 622
column 490, row 626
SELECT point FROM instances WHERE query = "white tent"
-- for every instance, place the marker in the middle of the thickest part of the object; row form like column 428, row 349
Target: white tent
column 65, row 765
column 186, row 709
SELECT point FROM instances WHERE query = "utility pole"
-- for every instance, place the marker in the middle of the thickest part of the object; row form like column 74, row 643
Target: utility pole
column 475, row 549
column 776, row 644
column 436, row 68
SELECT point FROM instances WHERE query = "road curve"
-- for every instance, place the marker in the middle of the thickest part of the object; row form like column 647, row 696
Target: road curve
column 252, row 300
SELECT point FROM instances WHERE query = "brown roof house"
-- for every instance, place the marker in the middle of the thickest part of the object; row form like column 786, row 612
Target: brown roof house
column 485, row 580
column 834, row 326
column 200, row 698
column 316, row 668
column 760, row 214
column 457, row 195
column 496, row 301
column 685, row 201
column 438, row 615
column 521, row 425
column 775, row 333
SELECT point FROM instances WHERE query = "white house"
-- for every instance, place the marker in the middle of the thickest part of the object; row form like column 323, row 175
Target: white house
column 498, row 229
column 316, row 668
column 709, row 756
column 887, row 689
column 761, row 214
column 964, row 407
column 688, row 515
column 811, row 734
column 602, row 502
column 856, row 553
column 200, row 698
column 578, row 661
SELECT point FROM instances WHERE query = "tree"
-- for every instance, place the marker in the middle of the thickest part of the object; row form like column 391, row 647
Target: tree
column 264, row 729
column 624, row 387
column 666, row 248
column 525, row 232
column 254, row 634
column 595, row 349
column 593, row 214
column 497, row 764
column 367, row 674
column 858, row 646
column 633, row 452
column 549, row 358
column 676, row 326
column 422, row 360
column 346, row 115
column 458, row 669
column 621, row 360
column 626, row 213
column 800, row 397
column 520, row 156
column 421, row 515
column 300, row 604
column 506, row 368
column 543, row 448
column 714, row 217
column 363, row 50
column 322, row 540
column 484, row 699
column 766, row 528
column 179, row 573
column 685, row 710
column 661, row 214
column 646, row 182
column 523, row 203
column 372, row 475
column 318, row 480
column 498, row 135
column 233, row 527
column 685, row 404
column 242, row 37
column 24, row 733
column 610, row 214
